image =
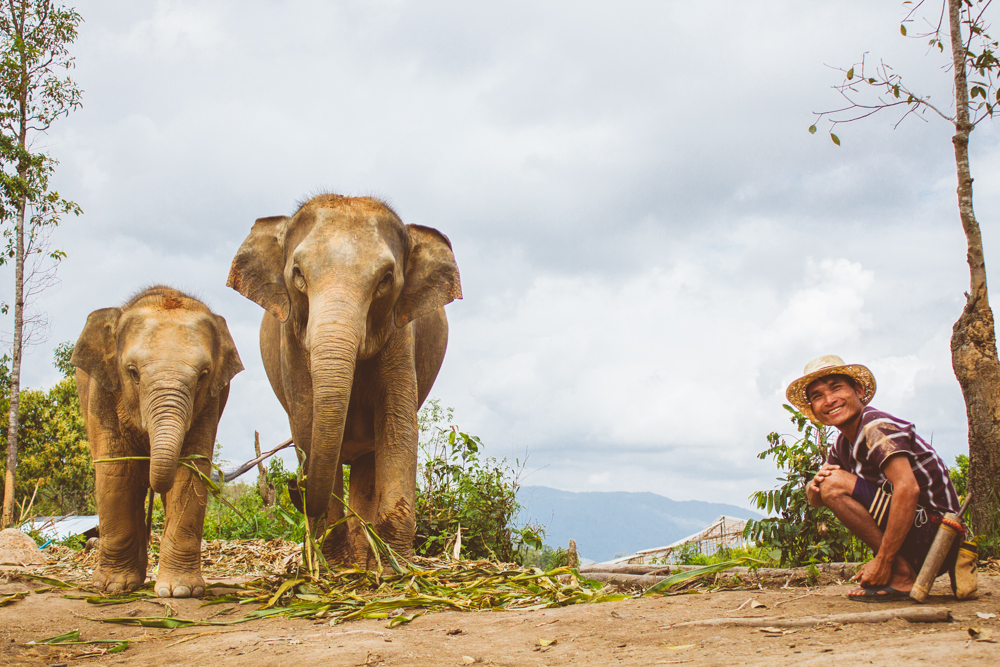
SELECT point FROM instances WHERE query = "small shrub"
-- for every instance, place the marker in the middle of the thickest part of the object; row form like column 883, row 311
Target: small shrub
column 544, row 558
column 960, row 475
column 800, row 534
column 458, row 486
column 690, row 554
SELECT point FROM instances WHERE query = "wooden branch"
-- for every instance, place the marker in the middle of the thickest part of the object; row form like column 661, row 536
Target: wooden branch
column 230, row 475
column 643, row 580
column 911, row 614
column 843, row 571
column 629, row 569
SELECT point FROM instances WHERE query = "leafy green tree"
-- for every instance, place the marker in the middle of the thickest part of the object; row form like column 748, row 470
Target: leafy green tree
column 957, row 29
column 34, row 92
column 54, row 452
column 800, row 533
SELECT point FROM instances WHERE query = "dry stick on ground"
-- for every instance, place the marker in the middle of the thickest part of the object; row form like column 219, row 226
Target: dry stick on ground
column 614, row 574
column 911, row 614
column 778, row 604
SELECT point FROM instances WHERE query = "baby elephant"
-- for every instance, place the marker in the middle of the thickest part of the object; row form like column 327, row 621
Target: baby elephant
column 153, row 378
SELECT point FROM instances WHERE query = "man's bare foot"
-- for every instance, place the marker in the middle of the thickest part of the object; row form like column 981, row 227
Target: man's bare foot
column 902, row 579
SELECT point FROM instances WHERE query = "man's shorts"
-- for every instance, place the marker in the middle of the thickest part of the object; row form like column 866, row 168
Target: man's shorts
column 918, row 540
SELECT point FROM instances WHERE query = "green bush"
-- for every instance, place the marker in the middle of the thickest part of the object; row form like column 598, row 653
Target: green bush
column 457, row 486
column 53, row 452
column 543, row 557
column 800, row 534
column 243, row 516
column 960, row 475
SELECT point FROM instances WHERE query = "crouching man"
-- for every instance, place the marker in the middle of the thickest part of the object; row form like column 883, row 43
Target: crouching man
column 887, row 485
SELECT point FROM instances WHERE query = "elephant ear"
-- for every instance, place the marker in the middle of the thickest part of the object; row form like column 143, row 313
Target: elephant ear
column 96, row 350
column 258, row 268
column 431, row 279
column 228, row 364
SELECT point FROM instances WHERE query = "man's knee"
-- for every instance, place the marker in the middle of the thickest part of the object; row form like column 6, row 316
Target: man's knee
column 838, row 485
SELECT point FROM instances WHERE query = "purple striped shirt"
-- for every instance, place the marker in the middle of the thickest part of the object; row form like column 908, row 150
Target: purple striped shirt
column 880, row 436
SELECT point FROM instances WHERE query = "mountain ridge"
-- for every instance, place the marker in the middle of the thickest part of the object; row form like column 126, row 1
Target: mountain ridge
column 607, row 523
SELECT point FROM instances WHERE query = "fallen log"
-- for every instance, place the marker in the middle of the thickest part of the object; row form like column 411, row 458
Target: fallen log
column 911, row 614
column 641, row 580
column 647, row 575
column 631, row 569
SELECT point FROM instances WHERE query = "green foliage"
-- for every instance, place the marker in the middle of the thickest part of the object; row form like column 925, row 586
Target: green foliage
column 248, row 518
column 458, row 486
column 869, row 89
column 34, row 92
column 544, row 557
column 279, row 521
column 63, row 353
column 988, row 534
column 960, row 475
column 53, row 449
column 800, row 533
column 690, row 554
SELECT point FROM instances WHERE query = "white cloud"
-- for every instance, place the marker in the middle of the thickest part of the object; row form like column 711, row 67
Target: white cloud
column 651, row 244
column 828, row 310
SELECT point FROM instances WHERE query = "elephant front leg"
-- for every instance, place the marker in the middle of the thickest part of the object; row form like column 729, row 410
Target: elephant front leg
column 396, row 444
column 179, row 573
column 120, row 490
column 336, row 541
column 395, row 520
column 364, row 503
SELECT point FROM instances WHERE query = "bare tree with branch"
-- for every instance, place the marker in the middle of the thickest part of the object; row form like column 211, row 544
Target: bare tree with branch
column 961, row 30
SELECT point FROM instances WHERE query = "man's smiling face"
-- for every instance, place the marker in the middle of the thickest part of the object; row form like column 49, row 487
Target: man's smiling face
column 835, row 400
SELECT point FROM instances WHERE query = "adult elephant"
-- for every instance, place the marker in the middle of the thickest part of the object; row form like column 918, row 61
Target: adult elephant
column 352, row 339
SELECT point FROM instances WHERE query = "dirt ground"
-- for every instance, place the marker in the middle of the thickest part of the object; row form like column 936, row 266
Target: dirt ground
column 630, row 632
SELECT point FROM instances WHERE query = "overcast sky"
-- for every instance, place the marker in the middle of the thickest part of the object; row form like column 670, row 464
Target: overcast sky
column 651, row 244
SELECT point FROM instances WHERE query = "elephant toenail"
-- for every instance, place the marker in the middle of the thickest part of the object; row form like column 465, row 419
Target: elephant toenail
column 182, row 592
column 163, row 592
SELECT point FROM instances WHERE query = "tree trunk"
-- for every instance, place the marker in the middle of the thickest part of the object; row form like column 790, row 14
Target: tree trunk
column 15, row 370
column 973, row 340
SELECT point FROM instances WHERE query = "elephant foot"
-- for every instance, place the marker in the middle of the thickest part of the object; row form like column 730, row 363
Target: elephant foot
column 118, row 582
column 339, row 551
column 180, row 585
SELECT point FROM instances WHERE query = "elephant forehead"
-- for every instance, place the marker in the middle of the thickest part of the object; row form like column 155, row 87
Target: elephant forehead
column 348, row 240
column 153, row 331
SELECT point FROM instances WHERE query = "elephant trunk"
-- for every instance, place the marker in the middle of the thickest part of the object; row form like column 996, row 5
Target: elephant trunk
column 333, row 346
column 167, row 413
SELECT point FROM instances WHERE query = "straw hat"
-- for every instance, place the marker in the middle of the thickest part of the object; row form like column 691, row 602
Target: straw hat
column 819, row 367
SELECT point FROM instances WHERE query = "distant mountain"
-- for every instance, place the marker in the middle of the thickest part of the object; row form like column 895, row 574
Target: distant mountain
column 608, row 523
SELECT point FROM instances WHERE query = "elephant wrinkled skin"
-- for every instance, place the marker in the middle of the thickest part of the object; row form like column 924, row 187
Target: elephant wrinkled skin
column 352, row 339
column 153, row 378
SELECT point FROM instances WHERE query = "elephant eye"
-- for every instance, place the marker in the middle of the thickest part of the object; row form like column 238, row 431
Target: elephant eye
column 203, row 375
column 385, row 284
column 298, row 279
column 133, row 373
